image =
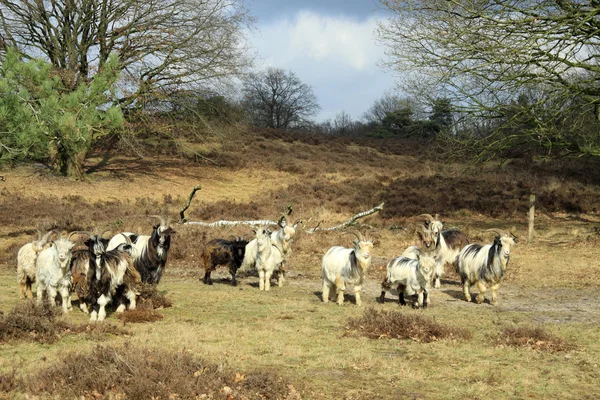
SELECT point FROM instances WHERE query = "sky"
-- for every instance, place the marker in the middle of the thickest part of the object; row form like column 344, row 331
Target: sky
column 329, row 45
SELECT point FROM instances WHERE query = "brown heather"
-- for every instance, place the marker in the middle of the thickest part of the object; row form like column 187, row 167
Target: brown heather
column 130, row 372
column 44, row 324
column 397, row 325
column 534, row 338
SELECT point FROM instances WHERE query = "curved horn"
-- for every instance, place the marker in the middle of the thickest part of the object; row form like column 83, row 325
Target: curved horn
column 39, row 234
column 356, row 233
column 162, row 220
column 42, row 241
column 428, row 216
column 127, row 239
column 496, row 231
column 372, row 234
column 104, row 231
column 77, row 232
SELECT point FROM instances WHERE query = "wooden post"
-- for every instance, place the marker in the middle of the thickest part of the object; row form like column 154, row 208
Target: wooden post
column 531, row 217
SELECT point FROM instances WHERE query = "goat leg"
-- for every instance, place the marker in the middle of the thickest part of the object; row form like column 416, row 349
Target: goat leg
column 415, row 301
column 207, row 280
column 401, row 298
column 232, row 271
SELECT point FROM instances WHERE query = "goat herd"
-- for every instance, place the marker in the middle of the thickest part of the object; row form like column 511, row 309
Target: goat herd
column 113, row 270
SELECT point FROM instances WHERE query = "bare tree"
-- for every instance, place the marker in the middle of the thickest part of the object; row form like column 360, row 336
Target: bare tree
column 390, row 103
column 378, row 110
column 278, row 99
column 342, row 123
column 160, row 43
column 482, row 55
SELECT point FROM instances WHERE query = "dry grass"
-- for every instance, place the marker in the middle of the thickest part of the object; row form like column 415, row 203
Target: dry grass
column 129, row 372
column 29, row 322
column 396, row 325
column 140, row 315
column 534, row 338
column 44, row 324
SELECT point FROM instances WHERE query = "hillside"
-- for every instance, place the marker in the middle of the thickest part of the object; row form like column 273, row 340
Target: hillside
column 551, row 283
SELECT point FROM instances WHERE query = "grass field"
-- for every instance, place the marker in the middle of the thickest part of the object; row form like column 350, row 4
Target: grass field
column 541, row 341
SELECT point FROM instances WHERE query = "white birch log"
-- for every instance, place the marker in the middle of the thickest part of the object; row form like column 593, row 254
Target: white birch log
column 224, row 223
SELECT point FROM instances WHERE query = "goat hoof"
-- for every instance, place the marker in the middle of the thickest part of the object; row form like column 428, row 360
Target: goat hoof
column 121, row 308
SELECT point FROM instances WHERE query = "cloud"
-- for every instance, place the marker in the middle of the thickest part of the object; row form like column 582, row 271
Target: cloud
column 337, row 56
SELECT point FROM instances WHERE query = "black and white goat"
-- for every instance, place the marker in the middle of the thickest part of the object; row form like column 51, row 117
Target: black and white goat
column 228, row 253
column 108, row 272
column 342, row 266
column 149, row 252
column 411, row 277
column 446, row 244
column 485, row 265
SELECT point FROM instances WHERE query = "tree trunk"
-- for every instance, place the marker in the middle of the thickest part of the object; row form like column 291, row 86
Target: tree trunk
column 75, row 166
column 65, row 164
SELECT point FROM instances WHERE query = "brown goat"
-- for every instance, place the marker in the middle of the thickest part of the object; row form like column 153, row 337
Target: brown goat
column 221, row 252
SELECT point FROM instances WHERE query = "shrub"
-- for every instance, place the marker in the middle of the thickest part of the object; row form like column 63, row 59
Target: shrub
column 396, row 325
column 533, row 338
column 143, row 373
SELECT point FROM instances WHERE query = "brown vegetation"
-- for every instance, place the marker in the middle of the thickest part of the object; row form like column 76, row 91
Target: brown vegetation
column 140, row 315
column 152, row 298
column 533, row 338
column 129, row 372
column 396, row 325
column 43, row 324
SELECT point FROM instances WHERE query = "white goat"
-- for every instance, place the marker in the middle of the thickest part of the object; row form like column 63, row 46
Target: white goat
column 268, row 258
column 282, row 239
column 53, row 272
column 26, row 269
column 410, row 276
column 485, row 265
column 446, row 244
column 342, row 266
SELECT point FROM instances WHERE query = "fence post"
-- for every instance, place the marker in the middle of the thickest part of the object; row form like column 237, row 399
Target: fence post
column 531, row 217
